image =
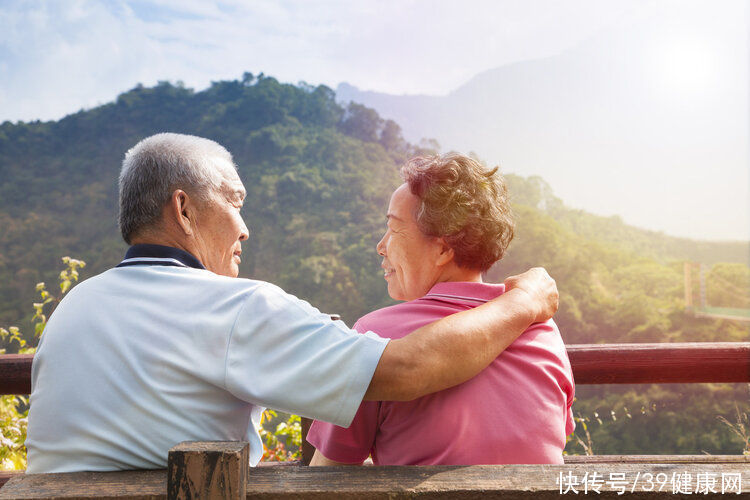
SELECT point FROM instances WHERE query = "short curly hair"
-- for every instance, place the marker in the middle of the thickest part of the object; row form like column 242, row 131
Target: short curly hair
column 464, row 203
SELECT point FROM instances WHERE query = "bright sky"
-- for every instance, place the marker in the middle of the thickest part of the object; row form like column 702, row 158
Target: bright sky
column 57, row 57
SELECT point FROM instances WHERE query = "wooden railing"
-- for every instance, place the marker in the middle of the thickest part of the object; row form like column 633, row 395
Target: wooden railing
column 591, row 363
column 691, row 362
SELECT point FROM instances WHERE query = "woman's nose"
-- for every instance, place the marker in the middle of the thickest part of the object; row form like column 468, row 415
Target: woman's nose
column 380, row 247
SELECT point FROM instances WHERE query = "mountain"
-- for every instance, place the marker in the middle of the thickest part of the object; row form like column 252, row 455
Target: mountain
column 640, row 121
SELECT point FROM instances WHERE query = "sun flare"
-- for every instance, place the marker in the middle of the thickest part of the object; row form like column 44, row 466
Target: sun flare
column 684, row 67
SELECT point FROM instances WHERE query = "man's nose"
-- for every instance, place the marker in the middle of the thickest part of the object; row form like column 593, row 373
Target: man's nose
column 244, row 232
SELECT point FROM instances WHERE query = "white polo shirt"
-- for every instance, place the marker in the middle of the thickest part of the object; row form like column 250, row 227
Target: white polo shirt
column 159, row 350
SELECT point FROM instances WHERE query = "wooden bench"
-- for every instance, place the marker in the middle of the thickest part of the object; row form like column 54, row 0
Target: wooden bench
column 219, row 470
column 194, row 465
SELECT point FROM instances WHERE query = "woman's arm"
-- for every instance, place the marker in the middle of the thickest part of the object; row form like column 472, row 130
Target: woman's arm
column 319, row 459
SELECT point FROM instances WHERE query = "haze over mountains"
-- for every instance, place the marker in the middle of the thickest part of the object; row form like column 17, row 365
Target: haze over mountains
column 657, row 136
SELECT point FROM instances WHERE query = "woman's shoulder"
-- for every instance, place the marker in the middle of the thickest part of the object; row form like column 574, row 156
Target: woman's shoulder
column 398, row 320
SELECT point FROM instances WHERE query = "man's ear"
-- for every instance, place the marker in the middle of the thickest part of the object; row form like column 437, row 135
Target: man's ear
column 182, row 211
column 446, row 254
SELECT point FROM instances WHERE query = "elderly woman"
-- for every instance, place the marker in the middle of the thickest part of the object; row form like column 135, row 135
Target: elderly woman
column 448, row 223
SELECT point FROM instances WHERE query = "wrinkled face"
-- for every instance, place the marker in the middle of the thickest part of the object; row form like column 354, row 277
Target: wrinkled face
column 220, row 229
column 409, row 256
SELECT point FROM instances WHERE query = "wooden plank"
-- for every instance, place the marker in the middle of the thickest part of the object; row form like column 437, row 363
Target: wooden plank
column 5, row 475
column 140, row 485
column 364, row 483
column 15, row 373
column 657, row 459
column 290, row 463
column 569, row 459
column 482, row 481
column 693, row 362
column 207, row 469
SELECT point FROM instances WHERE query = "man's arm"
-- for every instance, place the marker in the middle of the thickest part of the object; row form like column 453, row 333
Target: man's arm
column 456, row 348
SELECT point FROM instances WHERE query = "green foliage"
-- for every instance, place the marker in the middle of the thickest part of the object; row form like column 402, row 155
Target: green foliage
column 361, row 122
column 661, row 419
column 740, row 427
column 728, row 285
column 10, row 337
column 612, row 294
column 14, row 410
column 13, row 418
column 282, row 436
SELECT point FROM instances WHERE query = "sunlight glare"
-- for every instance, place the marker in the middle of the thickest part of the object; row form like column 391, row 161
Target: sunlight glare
column 684, row 68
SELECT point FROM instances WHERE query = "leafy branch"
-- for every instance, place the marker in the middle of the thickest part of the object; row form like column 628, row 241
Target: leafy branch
column 14, row 410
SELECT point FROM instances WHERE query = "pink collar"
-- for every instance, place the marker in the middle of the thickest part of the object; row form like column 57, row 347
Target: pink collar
column 465, row 290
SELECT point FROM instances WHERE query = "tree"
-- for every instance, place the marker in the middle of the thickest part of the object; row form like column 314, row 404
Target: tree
column 361, row 122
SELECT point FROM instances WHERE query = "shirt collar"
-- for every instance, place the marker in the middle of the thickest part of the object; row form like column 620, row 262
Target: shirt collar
column 159, row 255
column 466, row 290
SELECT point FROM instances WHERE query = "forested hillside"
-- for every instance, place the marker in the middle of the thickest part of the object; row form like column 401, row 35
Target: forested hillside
column 318, row 178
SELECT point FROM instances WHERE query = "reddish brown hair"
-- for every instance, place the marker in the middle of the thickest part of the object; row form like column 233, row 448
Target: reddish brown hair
column 464, row 203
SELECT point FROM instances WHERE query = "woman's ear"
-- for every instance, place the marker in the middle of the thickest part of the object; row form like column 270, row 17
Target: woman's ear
column 446, row 254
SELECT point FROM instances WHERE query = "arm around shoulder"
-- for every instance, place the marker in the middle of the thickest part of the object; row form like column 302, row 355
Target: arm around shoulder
column 456, row 348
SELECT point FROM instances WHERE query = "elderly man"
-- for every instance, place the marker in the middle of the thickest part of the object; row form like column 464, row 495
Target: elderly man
column 448, row 223
column 171, row 346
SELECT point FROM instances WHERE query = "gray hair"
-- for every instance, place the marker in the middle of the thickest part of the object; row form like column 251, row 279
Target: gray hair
column 158, row 165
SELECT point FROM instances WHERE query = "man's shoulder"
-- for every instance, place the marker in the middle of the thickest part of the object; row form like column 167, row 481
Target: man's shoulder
column 243, row 290
column 169, row 273
column 141, row 281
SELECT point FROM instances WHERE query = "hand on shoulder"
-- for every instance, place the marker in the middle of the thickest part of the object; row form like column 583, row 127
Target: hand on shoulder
column 541, row 290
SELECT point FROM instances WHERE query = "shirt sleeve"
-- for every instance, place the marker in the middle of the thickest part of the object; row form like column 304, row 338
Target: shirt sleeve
column 353, row 444
column 350, row 445
column 285, row 354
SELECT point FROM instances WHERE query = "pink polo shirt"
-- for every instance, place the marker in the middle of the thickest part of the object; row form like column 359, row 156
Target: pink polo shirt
column 517, row 411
